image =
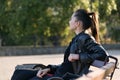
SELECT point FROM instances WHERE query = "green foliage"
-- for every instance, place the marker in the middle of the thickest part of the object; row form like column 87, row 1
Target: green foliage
column 26, row 21
column 115, row 33
column 118, row 6
column 45, row 22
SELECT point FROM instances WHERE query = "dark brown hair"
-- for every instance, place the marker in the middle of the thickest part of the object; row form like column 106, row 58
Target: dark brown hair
column 89, row 21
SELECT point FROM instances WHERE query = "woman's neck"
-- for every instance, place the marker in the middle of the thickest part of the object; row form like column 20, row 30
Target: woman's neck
column 78, row 31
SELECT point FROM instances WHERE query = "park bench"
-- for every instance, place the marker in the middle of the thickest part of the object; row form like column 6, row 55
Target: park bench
column 99, row 70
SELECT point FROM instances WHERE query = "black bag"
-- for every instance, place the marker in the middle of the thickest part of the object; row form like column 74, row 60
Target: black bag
column 30, row 67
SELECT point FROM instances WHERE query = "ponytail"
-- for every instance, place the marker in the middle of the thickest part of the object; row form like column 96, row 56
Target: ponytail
column 89, row 22
column 94, row 27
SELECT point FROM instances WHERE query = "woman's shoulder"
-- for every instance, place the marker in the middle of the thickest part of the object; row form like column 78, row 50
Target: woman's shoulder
column 84, row 35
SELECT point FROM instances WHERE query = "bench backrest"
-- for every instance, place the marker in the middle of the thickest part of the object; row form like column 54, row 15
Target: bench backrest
column 100, row 73
column 101, row 70
column 109, row 68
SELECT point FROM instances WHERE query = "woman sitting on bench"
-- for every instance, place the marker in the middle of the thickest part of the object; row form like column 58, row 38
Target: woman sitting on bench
column 83, row 49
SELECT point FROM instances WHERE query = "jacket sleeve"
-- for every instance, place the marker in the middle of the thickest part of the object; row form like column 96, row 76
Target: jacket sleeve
column 92, row 50
column 53, row 68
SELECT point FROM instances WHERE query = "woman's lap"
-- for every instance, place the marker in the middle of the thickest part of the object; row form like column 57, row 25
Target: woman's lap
column 23, row 74
column 27, row 75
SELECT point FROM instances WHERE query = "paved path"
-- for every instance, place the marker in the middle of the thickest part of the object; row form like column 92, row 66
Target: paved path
column 7, row 64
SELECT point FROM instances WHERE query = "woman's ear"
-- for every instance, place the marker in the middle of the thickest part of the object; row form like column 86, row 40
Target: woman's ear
column 79, row 23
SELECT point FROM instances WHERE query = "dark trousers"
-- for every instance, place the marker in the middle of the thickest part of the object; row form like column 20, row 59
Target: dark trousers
column 27, row 75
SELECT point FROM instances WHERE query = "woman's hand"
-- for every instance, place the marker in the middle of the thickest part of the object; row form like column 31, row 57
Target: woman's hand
column 43, row 72
column 73, row 57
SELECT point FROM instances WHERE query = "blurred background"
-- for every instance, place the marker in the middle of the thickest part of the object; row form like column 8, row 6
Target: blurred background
column 45, row 22
column 34, row 27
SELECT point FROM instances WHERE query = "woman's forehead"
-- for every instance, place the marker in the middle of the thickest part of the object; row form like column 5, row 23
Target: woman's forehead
column 73, row 15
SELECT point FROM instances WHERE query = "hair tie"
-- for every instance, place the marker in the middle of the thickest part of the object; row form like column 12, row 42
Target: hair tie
column 92, row 13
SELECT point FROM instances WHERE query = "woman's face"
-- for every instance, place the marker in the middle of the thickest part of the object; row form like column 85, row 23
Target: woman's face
column 73, row 22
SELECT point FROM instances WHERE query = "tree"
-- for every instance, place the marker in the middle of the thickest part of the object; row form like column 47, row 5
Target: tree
column 45, row 22
column 118, row 6
column 33, row 19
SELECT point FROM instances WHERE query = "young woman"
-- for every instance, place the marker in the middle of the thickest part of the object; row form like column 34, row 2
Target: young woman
column 83, row 49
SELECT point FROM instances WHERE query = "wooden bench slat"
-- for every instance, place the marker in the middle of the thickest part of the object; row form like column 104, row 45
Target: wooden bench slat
column 108, row 69
column 96, row 75
column 84, row 77
column 99, row 73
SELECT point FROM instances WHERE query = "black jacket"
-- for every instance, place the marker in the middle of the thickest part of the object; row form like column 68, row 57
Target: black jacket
column 88, row 50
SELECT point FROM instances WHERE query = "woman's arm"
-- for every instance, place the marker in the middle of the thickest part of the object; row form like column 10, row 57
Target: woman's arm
column 87, row 50
column 94, row 51
column 53, row 68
